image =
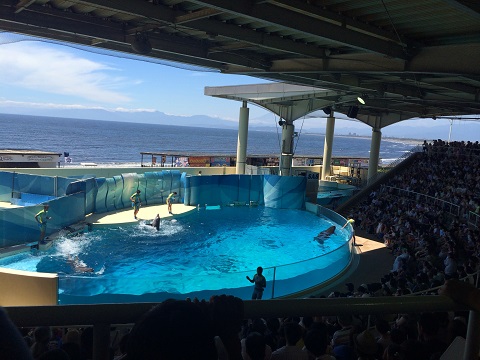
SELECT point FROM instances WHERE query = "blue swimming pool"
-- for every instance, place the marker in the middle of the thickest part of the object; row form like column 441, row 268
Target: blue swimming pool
column 205, row 252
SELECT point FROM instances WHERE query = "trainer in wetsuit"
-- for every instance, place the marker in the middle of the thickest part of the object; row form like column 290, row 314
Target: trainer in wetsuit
column 260, row 284
column 136, row 203
column 42, row 218
column 169, row 201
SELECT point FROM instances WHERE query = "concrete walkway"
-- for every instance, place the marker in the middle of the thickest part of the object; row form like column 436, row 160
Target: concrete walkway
column 146, row 213
column 372, row 260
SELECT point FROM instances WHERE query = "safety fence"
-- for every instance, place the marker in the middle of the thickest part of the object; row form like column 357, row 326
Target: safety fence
column 446, row 206
column 456, row 210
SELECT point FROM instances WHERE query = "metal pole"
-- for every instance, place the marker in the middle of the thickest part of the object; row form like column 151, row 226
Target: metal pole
column 101, row 341
column 450, row 131
column 13, row 185
column 273, row 282
column 472, row 344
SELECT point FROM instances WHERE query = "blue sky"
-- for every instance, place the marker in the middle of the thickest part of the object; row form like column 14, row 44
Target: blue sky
column 44, row 74
column 56, row 75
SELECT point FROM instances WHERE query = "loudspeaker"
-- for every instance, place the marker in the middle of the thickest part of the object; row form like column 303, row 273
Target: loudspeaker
column 352, row 111
column 141, row 44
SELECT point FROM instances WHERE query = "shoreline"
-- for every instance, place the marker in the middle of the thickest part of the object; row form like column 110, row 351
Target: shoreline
column 390, row 139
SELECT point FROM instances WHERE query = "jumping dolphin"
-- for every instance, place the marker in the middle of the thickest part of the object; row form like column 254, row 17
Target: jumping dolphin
column 323, row 235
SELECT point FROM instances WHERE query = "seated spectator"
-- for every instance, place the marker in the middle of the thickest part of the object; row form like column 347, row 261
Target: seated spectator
column 450, row 266
column 172, row 330
column 366, row 346
column 41, row 338
column 383, row 328
column 342, row 336
column 293, row 334
column 257, row 327
column 12, row 345
column 400, row 262
column 431, row 344
column 272, row 336
column 54, row 354
column 394, row 352
column 316, row 343
column 254, row 347
column 226, row 317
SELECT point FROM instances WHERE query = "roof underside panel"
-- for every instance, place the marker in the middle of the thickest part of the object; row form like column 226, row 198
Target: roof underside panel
column 416, row 58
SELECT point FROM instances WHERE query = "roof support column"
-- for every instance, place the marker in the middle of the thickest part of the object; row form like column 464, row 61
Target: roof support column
column 242, row 139
column 287, row 148
column 374, row 153
column 327, row 147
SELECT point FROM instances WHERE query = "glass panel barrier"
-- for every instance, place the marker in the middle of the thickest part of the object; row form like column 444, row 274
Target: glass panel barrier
column 281, row 281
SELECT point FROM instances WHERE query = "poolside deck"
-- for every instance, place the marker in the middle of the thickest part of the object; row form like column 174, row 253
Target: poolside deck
column 146, row 213
column 372, row 260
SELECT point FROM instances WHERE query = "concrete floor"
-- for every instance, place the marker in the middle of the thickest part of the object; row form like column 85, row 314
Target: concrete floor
column 146, row 213
column 372, row 260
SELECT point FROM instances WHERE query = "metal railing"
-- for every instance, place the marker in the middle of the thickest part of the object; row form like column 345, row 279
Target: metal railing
column 392, row 165
column 446, row 206
column 473, row 219
column 102, row 316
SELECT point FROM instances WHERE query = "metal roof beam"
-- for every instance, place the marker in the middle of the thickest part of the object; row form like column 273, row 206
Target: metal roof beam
column 301, row 23
column 200, row 22
column 57, row 27
column 320, row 13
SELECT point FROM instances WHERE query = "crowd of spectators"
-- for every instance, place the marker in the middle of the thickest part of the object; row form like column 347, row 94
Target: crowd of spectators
column 429, row 243
column 429, row 246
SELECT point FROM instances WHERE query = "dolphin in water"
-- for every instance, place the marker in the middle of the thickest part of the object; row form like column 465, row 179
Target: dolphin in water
column 324, row 235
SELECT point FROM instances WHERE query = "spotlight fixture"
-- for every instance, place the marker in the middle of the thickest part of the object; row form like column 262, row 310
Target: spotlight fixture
column 281, row 122
column 352, row 112
column 141, row 44
column 327, row 110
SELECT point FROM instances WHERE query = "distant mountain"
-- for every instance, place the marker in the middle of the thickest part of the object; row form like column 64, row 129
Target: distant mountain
column 147, row 117
column 468, row 131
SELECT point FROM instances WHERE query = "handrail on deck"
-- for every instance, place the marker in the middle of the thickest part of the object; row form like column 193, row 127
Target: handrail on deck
column 102, row 316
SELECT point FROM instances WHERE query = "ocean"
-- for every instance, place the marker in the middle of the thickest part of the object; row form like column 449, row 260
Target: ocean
column 111, row 143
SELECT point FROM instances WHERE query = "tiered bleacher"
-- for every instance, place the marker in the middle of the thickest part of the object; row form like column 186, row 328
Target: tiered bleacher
column 426, row 215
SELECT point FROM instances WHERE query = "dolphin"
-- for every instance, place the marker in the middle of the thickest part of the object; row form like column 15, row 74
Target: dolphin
column 323, row 235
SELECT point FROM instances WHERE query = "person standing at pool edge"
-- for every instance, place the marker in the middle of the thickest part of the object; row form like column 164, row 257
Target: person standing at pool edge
column 260, row 284
column 136, row 203
column 42, row 218
column 170, row 198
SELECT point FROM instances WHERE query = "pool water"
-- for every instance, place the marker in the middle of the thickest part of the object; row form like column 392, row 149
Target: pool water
column 207, row 248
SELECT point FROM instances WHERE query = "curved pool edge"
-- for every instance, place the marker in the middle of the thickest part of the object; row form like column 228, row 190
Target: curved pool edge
column 180, row 210
column 323, row 287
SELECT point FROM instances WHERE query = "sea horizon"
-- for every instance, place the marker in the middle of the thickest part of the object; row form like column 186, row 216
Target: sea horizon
column 113, row 143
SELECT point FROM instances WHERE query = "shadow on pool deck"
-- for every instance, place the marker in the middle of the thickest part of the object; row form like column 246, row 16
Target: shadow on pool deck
column 372, row 260
column 146, row 213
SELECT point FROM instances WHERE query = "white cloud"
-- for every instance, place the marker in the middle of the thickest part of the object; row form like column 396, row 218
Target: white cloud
column 33, row 105
column 45, row 69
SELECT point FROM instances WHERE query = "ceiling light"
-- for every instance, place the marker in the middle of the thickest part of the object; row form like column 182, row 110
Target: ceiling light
column 361, row 99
